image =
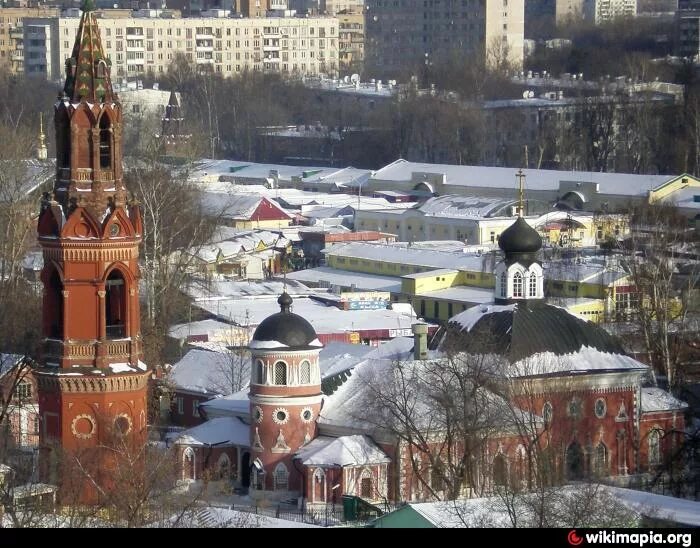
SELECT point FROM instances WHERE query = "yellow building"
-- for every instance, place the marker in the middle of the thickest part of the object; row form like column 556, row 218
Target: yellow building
column 11, row 34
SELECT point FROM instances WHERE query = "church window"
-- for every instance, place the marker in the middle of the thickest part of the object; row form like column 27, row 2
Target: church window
column 500, row 470
column 105, row 142
column 307, row 414
column 280, row 373
column 305, row 373
column 24, row 390
column 115, row 305
column 259, row 370
column 281, row 477
column 224, row 466
column 518, row 285
column 280, row 415
column 55, row 306
column 366, row 485
column 600, row 408
column 533, row 284
column 547, row 413
column 601, row 459
column 575, row 408
column 655, row 447
column 504, row 284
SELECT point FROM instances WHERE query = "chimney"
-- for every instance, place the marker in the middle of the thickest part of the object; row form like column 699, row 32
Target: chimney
column 420, row 341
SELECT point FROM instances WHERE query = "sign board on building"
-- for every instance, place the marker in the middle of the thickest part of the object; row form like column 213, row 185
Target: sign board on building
column 366, row 300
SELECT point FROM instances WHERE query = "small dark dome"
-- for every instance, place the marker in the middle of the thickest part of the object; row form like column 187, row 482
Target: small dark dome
column 520, row 237
column 285, row 330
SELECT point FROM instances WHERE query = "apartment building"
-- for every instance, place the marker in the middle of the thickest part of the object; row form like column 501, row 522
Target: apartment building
column 12, row 35
column 406, row 34
column 351, row 41
column 601, row 11
column 147, row 42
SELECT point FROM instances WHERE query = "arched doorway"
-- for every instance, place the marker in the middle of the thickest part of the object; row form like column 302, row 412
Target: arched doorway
column 574, row 461
column 115, row 305
column 245, row 470
column 189, row 468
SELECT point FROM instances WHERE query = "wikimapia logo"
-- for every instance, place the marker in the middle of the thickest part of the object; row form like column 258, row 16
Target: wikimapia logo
column 637, row 539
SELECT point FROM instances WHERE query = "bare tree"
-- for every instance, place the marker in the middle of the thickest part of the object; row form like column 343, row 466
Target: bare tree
column 661, row 302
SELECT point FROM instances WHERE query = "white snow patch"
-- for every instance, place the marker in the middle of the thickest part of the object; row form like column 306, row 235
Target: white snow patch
column 121, row 368
column 266, row 344
column 142, row 366
column 468, row 318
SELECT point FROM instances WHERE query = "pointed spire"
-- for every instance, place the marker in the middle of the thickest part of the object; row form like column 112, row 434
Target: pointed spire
column 42, row 152
column 87, row 69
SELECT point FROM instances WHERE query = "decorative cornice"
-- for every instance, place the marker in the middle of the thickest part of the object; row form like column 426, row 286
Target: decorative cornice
column 90, row 251
column 57, row 380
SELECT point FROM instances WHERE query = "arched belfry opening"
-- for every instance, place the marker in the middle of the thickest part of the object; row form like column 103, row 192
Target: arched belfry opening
column 116, row 305
column 54, row 298
column 105, row 142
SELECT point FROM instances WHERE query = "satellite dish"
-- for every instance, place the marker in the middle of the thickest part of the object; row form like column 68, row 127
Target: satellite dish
column 355, row 78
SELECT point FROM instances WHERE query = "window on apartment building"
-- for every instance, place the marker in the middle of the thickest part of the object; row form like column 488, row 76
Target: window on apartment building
column 24, row 390
column 180, row 406
column 195, row 408
column 436, row 309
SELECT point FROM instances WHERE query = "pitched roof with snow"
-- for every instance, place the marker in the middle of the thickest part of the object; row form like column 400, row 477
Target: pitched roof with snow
column 468, row 207
column 220, row 431
column 656, row 400
column 355, row 450
column 209, row 373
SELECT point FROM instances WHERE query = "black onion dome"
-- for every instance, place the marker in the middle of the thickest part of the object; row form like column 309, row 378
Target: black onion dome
column 286, row 328
column 526, row 329
column 520, row 237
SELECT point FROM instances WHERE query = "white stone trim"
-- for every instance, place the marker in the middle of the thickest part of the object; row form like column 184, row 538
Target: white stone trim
column 74, row 429
column 276, row 419
column 260, row 399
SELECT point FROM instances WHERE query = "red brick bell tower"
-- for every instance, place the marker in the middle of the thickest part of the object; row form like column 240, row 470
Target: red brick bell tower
column 92, row 384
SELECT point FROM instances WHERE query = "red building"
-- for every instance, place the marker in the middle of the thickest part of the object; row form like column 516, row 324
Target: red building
column 92, row 384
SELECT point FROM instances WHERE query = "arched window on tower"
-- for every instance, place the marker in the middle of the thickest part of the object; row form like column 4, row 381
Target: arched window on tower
column 259, row 372
column 54, row 305
column 115, row 305
column 305, row 373
column 105, row 142
column 533, row 284
column 280, row 373
column 518, row 285
column 504, row 284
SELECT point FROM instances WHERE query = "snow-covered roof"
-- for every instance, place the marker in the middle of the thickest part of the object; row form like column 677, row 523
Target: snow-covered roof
column 469, row 317
column 324, row 319
column 536, row 179
column 680, row 511
column 8, row 362
column 347, row 278
column 210, row 372
column 215, row 288
column 233, row 405
column 213, row 329
column 413, row 255
column 33, row 260
column 463, row 293
column 207, row 168
column 236, row 206
column 336, row 357
column 355, row 450
column 468, row 207
column 657, row 399
column 220, row 431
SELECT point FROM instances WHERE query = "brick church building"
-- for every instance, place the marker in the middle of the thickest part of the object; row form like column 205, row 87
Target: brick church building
column 297, row 432
column 92, row 384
